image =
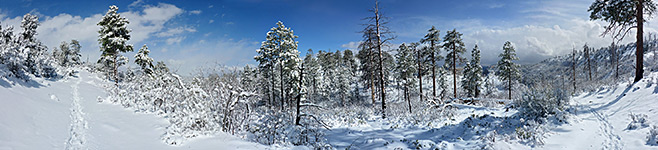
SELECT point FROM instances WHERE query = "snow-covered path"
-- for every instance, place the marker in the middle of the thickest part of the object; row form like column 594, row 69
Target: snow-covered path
column 603, row 116
column 77, row 139
column 65, row 114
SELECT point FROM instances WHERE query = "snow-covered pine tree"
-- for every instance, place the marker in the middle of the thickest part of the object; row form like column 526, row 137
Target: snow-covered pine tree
column 472, row 80
column 143, row 60
column 588, row 67
column 74, row 53
column 454, row 45
column 37, row 61
column 113, row 39
column 432, row 38
column 280, row 50
column 508, row 71
column 60, row 54
column 351, row 68
column 405, row 69
column 366, row 57
column 12, row 55
column 311, row 74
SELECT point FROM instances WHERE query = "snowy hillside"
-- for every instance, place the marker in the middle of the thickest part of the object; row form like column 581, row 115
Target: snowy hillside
column 603, row 119
column 66, row 114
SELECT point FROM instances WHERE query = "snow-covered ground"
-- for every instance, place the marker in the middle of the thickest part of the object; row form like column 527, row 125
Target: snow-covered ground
column 603, row 116
column 66, row 114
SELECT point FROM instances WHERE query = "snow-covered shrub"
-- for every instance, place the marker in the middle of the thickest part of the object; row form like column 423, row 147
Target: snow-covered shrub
column 637, row 121
column 652, row 138
column 540, row 102
column 531, row 132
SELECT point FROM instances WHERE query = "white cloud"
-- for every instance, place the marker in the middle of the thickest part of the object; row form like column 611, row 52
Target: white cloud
column 228, row 52
column 211, row 21
column 136, row 3
column 150, row 20
column 351, row 45
column 174, row 40
column 175, row 31
column 195, row 12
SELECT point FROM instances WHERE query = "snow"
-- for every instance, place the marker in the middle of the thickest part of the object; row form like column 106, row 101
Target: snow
column 66, row 114
column 603, row 116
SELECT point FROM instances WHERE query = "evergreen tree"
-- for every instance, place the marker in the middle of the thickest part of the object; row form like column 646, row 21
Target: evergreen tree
column 74, row 53
column 366, row 56
column 37, row 62
column 455, row 47
column 143, row 60
column 432, row 38
column 351, row 68
column 405, row 70
column 622, row 16
column 113, row 40
column 472, row 80
column 311, row 74
column 280, row 50
column 507, row 69
column 588, row 67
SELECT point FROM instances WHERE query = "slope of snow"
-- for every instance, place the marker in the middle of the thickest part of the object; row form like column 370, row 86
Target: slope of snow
column 603, row 116
column 65, row 114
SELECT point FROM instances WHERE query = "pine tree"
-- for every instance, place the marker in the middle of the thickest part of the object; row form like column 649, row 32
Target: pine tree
column 351, row 68
column 588, row 67
column 433, row 38
column 74, row 53
column 143, row 60
column 472, row 80
column 622, row 16
column 366, row 56
column 507, row 69
column 455, row 47
column 280, row 50
column 405, row 70
column 113, row 40
column 37, row 62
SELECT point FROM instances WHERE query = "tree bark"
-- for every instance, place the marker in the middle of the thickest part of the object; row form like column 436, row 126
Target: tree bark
column 454, row 68
column 381, row 62
column 299, row 95
column 433, row 69
column 639, row 53
column 420, row 76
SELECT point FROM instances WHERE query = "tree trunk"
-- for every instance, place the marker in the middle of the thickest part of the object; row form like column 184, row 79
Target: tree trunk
column 116, row 73
column 381, row 62
column 299, row 95
column 406, row 95
column 573, row 67
column 420, row 77
column 283, row 99
column 454, row 68
column 639, row 53
column 509, row 85
column 372, row 78
column 433, row 69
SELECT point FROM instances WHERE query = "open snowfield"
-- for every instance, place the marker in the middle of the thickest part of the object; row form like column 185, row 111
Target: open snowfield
column 66, row 114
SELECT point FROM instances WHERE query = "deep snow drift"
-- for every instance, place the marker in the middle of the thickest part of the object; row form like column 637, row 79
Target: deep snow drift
column 66, row 114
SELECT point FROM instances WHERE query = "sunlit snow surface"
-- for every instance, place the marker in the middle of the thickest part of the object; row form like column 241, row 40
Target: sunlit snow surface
column 53, row 115
column 66, row 114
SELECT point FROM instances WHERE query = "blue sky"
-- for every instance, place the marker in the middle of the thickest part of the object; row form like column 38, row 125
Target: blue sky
column 191, row 34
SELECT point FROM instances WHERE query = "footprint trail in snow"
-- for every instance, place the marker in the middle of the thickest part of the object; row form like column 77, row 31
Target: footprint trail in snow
column 79, row 127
